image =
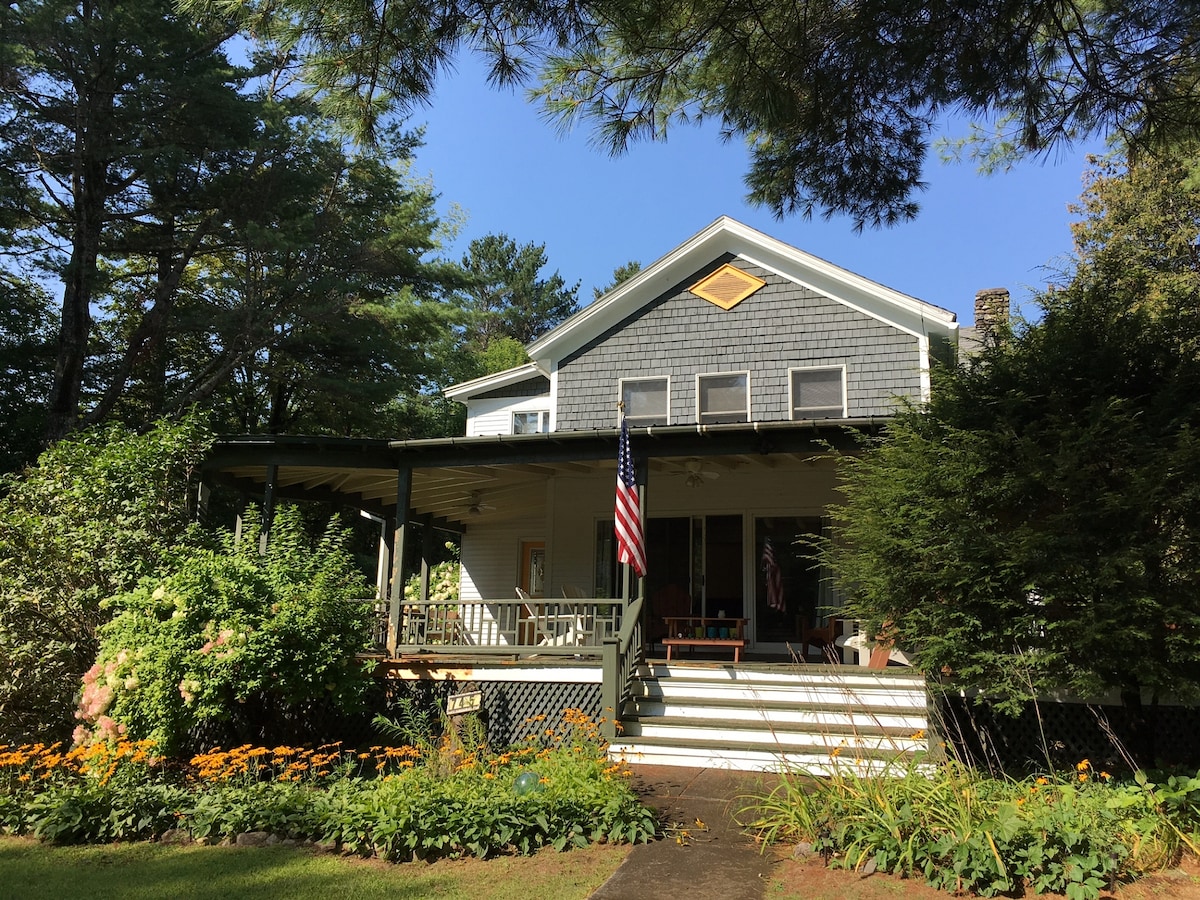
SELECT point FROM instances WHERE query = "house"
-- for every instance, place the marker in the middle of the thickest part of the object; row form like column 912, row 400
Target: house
column 739, row 362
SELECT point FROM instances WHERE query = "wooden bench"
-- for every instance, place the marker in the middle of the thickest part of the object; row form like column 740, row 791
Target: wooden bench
column 736, row 643
column 682, row 632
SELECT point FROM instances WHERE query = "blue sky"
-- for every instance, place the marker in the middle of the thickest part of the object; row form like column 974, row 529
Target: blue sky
column 490, row 153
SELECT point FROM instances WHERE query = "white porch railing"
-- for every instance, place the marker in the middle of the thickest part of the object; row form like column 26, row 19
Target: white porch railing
column 552, row 626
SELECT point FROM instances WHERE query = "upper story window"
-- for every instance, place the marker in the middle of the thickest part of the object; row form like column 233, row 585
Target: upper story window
column 723, row 397
column 647, row 400
column 531, row 422
column 818, row 393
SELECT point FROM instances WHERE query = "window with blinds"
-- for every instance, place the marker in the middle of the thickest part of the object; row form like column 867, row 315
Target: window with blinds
column 818, row 393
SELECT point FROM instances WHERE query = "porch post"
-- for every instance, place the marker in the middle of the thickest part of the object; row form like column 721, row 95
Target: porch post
column 268, row 508
column 426, row 552
column 396, row 597
column 643, row 479
column 203, row 493
column 383, row 555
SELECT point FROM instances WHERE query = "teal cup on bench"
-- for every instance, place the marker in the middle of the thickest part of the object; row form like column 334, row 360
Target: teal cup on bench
column 712, row 631
column 724, row 632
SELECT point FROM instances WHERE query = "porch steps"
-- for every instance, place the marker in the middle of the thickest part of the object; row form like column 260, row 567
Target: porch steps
column 765, row 717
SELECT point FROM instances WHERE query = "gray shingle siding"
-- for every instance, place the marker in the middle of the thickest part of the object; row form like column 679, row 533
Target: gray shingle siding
column 538, row 386
column 780, row 327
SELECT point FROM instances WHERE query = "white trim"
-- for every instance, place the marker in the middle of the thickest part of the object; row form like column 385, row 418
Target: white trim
column 639, row 421
column 702, row 375
column 728, row 236
column 923, row 364
column 862, row 299
column 554, row 396
column 822, row 368
column 468, row 389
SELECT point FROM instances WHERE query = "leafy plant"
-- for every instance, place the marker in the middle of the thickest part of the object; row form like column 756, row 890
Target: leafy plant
column 230, row 636
column 446, row 799
column 1075, row 833
column 98, row 512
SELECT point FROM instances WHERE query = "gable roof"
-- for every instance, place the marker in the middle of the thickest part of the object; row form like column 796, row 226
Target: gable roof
column 728, row 236
column 495, row 381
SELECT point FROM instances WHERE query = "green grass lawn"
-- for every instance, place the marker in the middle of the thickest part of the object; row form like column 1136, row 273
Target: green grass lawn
column 138, row 871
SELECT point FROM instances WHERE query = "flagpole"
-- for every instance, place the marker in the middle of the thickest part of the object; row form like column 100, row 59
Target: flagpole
column 630, row 515
column 626, row 581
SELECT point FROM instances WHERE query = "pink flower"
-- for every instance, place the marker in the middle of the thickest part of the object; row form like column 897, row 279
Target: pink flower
column 107, row 729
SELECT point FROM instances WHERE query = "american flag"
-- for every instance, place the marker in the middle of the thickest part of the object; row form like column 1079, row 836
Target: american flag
column 774, row 577
column 631, row 546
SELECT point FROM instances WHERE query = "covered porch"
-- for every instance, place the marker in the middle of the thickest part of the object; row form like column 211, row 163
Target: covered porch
column 532, row 514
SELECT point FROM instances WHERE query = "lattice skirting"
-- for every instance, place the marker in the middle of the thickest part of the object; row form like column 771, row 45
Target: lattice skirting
column 511, row 709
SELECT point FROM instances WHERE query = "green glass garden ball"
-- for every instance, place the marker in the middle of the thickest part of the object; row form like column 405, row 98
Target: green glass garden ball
column 527, row 783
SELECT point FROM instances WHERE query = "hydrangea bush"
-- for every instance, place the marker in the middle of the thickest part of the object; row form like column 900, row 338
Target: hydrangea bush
column 443, row 582
column 230, row 633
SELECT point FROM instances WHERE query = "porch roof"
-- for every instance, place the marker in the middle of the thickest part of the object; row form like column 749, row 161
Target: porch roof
column 448, row 473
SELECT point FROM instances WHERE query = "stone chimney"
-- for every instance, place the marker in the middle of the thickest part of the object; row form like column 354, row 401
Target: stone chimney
column 991, row 309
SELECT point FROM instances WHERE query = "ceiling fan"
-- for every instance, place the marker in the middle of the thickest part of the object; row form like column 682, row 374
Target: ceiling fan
column 475, row 504
column 695, row 474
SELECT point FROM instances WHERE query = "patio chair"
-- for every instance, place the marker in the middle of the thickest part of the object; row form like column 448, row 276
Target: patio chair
column 546, row 629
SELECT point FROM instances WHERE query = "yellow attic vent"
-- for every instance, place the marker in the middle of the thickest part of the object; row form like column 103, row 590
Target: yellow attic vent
column 726, row 287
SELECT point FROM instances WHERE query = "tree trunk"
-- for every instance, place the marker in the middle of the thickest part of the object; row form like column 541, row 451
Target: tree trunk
column 89, row 195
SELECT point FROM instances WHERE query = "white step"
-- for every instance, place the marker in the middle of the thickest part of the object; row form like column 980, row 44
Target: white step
column 779, row 716
column 818, row 718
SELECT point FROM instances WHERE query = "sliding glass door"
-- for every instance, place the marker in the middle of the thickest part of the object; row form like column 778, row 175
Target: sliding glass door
column 787, row 583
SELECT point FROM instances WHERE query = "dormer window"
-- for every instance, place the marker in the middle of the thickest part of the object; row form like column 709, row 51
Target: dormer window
column 723, row 397
column 647, row 400
column 531, row 422
column 818, row 393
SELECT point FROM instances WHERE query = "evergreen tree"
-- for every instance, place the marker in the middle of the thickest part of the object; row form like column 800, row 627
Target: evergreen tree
column 836, row 101
column 1037, row 525
column 620, row 274
column 507, row 296
column 98, row 99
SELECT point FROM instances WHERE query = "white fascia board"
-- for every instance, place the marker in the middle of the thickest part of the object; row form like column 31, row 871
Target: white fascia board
column 913, row 316
column 466, row 390
column 727, row 235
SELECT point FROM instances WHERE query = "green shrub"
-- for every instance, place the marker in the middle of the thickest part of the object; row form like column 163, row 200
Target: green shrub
column 1074, row 834
column 443, row 799
column 99, row 511
column 230, row 633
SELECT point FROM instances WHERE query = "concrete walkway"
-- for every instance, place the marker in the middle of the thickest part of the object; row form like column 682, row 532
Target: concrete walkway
column 704, row 852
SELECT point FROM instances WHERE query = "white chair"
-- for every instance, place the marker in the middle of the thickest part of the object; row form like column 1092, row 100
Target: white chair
column 546, row 629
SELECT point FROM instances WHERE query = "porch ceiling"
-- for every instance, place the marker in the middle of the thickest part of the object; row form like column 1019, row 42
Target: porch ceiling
column 460, row 481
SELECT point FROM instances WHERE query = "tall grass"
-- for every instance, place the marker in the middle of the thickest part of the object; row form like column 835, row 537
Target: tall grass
column 1076, row 832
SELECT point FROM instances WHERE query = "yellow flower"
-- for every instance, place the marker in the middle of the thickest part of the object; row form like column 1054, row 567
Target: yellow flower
column 1083, row 764
column 1043, row 780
